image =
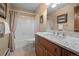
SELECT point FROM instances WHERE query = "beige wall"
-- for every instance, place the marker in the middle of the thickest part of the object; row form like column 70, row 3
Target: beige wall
column 69, row 9
column 3, row 44
column 8, row 8
column 25, row 15
column 41, row 10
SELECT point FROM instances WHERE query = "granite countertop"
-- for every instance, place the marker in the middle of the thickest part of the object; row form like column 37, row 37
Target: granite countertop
column 70, row 43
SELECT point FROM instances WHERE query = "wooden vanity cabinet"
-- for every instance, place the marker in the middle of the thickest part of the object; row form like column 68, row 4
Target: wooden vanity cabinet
column 50, row 47
column 40, row 50
column 67, row 53
column 49, row 54
column 44, row 47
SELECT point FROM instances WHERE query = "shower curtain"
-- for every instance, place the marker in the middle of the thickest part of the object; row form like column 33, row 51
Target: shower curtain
column 25, row 30
column 12, row 30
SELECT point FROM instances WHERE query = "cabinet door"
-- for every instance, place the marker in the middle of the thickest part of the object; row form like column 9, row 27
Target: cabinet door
column 67, row 53
column 51, row 47
column 40, row 50
column 36, row 39
column 49, row 53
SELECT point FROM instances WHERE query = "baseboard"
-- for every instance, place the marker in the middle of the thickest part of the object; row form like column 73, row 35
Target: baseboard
column 7, row 52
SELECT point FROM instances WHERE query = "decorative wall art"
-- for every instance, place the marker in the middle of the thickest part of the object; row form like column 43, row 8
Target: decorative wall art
column 62, row 18
column 41, row 19
column 3, row 10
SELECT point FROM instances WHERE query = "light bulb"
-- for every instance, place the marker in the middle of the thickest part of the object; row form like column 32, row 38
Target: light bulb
column 54, row 5
column 48, row 3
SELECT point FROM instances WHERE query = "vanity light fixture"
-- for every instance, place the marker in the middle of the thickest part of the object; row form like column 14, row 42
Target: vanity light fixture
column 54, row 5
column 58, row 3
column 47, row 4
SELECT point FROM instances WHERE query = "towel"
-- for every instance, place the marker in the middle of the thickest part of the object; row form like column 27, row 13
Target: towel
column 6, row 25
column 7, row 29
column 60, row 26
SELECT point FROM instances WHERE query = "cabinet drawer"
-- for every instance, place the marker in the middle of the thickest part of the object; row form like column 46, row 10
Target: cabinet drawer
column 67, row 53
column 54, row 49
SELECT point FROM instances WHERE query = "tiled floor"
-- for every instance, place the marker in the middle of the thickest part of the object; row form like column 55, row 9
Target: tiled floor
column 26, row 48
column 20, row 52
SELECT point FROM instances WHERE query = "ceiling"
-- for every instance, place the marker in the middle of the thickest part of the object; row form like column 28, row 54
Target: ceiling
column 29, row 7
column 50, row 9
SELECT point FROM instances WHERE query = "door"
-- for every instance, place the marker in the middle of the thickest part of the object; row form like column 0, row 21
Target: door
column 76, row 22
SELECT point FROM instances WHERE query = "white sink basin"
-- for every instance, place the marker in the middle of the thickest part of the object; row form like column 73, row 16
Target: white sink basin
column 47, row 33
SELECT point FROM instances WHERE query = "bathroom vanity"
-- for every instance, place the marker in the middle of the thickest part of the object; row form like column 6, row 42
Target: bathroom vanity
column 47, row 44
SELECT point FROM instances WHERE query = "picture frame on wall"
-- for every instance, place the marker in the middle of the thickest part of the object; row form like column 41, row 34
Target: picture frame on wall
column 41, row 19
column 62, row 18
column 3, row 10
